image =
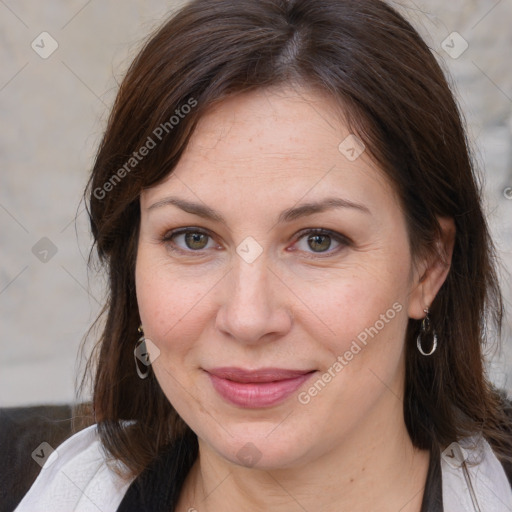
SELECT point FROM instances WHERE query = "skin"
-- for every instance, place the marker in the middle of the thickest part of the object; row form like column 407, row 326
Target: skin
column 297, row 305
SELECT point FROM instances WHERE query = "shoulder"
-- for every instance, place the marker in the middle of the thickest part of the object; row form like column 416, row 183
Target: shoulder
column 472, row 472
column 76, row 477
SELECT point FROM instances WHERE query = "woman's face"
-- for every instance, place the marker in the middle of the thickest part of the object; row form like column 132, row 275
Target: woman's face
column 274, row 276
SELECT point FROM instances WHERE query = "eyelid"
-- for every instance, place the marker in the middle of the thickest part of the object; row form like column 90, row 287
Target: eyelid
column 188, row 229
column 323, row 231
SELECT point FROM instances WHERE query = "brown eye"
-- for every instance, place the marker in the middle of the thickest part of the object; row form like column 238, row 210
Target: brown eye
column 196, row 241
column 319, row 243
column 188, row 240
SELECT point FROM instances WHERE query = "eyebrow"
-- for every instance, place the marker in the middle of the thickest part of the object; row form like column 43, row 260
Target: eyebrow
column 287, row 215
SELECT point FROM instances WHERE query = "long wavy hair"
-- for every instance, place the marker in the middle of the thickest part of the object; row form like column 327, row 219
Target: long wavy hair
column 395, row 98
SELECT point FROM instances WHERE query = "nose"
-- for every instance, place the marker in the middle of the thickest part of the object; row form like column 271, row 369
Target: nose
column 255, row 306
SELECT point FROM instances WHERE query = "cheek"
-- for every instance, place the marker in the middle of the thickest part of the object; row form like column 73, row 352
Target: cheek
column 360, row 315
column 353, row 300
column 362, row 354
column 171, row 304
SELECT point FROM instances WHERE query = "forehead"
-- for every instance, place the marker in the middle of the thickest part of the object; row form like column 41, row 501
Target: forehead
column 275, row 125
column 280, row 141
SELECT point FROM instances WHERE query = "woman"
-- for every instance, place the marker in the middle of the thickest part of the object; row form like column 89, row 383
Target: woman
column 298, row 260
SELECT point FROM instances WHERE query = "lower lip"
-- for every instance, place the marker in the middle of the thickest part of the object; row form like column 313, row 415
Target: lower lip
column 255, row 395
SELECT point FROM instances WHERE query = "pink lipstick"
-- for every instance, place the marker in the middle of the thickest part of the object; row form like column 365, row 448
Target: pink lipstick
column 256, row 388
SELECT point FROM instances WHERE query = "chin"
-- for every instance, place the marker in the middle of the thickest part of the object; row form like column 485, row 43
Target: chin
column 257, row 446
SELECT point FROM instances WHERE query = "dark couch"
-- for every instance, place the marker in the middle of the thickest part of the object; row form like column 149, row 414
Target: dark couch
column 22, row 430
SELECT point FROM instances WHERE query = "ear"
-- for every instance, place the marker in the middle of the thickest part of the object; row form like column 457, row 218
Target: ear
column 431, row 272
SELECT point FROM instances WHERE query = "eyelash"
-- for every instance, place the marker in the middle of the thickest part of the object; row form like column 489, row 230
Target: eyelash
column 339, row 238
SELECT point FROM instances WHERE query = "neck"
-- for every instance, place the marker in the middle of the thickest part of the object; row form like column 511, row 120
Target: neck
column 376, row 467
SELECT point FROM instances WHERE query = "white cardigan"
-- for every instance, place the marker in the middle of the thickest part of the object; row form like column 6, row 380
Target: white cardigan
column 75, row 478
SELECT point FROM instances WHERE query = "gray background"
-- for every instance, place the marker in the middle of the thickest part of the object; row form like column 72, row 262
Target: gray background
column 53, row 111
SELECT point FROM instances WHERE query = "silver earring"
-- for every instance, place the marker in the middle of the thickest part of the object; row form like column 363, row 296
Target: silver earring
column 425, row 327
column 140, row 353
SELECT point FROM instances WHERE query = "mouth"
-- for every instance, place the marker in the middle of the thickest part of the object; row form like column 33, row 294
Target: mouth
column 260, row 388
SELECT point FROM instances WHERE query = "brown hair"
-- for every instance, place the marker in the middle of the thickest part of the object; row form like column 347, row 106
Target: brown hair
column 395, row 98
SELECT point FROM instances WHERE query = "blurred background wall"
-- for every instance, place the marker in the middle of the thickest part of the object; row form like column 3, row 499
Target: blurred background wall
column 61, row 63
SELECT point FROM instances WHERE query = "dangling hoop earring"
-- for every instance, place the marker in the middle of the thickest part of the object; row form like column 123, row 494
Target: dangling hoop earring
column 425, row 327
column 140, row 353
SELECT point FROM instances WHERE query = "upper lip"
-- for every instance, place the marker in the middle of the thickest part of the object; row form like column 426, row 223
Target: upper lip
column 259, row 375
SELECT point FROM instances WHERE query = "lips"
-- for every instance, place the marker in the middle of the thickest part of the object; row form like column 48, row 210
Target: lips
column 264, row 387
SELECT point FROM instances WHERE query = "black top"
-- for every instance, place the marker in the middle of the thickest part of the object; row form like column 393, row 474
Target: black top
column 158, row 487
